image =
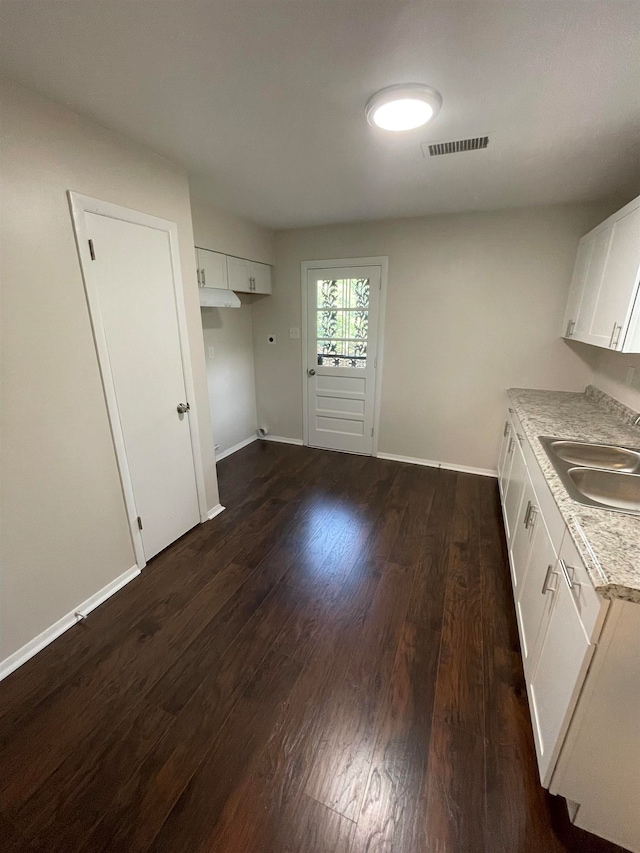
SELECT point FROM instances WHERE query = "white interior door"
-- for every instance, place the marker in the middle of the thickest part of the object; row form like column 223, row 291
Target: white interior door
column 133, row 285
column 342, row 349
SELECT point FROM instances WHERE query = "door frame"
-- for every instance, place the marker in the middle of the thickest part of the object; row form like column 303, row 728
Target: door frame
column 79, row 205
column 381, row 261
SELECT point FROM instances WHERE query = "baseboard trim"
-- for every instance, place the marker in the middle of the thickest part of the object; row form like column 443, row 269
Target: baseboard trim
column 216, row 510
column 431, row 463
column 236, row 447
column 280, row 438
column 52, row 633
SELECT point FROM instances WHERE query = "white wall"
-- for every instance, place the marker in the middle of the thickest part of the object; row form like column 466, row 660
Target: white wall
column 230, row 373
column 611, row 372
column 64, row 531
column 229, row 331
column 474, row 306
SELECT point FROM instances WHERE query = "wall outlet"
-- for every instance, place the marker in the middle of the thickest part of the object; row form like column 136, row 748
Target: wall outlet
column 271, row 339
column 294, row 333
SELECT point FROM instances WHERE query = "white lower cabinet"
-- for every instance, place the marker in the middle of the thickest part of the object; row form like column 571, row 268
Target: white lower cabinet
column 580, row 657
column 559, row 671
column 536, row 596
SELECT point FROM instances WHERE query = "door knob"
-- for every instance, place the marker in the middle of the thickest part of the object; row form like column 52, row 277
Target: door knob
column 311, row 372
column 183, row 408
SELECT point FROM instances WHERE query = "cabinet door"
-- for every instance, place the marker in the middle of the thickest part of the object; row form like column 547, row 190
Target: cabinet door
column 522, row 536
column 261, row 274
column 513, row 494
column 564, row 658
column 534, row 602
column 593, row 283
column 239, row 274
column 620, row 280
column 578, row 282
column 505, row 457
column 213, row 269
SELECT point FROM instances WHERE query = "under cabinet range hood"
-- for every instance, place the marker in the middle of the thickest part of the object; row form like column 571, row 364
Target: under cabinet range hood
column 216, row 297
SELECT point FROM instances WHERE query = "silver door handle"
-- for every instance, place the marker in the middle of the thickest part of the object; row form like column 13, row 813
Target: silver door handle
column 545, row 585
column 183, row 408
column 311, row 372
column 565, row 571
column 613, row 340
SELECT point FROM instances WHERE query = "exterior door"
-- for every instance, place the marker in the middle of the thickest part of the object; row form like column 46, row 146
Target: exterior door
column 342, row 350
column 133, row 279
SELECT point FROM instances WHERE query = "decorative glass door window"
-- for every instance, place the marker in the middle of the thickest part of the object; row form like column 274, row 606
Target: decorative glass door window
column 343, row 321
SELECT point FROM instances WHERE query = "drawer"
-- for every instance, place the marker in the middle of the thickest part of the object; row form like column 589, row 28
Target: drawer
column 590, row 606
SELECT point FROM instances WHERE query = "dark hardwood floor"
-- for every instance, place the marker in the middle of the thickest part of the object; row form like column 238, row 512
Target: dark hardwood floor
column 330, row 665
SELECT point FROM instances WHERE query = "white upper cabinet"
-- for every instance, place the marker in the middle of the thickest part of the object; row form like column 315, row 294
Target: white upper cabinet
column 228, row 273
column 212, row 269
column 248, row 276
column 603, row 308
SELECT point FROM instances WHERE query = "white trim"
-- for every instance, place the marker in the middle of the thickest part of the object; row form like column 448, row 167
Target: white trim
column 217, row 509
column 280, row 438
column 381, row 261
column 50, row 634
column 236, row 447
column 431, row 463
column 79, row 205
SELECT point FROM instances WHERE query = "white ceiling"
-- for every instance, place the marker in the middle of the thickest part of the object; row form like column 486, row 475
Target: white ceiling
column 263, row 101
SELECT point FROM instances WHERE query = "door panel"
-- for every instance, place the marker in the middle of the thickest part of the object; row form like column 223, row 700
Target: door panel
column 213, row 269
column 134, row 278
column 522, row 536
column 342, row 324
column 239, row 274
column 514, row 490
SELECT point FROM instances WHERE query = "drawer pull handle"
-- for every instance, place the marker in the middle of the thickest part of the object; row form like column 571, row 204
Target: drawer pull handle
column 505, row 431
column 565, row 571
column 545, row 586
column 527, row 514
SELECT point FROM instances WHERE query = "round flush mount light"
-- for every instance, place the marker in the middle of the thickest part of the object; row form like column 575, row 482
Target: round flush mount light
column 403, row 107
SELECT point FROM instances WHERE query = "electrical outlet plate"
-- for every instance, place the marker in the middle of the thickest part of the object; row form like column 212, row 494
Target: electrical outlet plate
column 294, row 332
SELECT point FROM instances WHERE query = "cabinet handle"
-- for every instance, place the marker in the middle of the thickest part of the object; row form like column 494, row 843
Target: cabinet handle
column 527, row 514
column 511, row 443
column 570, row 327
column 532, row 517
column 545, row 586
column 204, row 281
column 505, row 431
column 617, row 338
column 613, row 332
column 198, row 272
column 565, row 571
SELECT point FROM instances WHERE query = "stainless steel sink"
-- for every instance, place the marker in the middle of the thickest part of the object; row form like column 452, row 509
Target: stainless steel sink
column 607, row 456
column 599, row 475
column 608, row 488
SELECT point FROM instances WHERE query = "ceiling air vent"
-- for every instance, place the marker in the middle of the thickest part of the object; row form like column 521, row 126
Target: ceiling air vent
column 455, row 147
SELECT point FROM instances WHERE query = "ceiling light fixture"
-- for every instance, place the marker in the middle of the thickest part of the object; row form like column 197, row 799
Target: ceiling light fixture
column 403, row 107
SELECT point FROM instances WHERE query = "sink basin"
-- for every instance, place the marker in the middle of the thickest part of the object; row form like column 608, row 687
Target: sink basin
column 608, row 488
column 605, row 476
column 606, row 456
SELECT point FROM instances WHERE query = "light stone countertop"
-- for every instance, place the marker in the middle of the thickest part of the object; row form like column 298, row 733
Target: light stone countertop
column 609, row 542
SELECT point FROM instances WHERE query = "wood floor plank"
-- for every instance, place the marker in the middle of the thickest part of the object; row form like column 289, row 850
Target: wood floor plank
column 455, row 815
column 460, row 685
column 394, row 808
column 341, row 764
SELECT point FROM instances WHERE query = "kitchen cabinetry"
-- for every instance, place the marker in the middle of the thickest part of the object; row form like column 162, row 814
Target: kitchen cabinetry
column 603, row 308
column 212, row 269
column 579, row 655
column 226, row 272
column 248, row 276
